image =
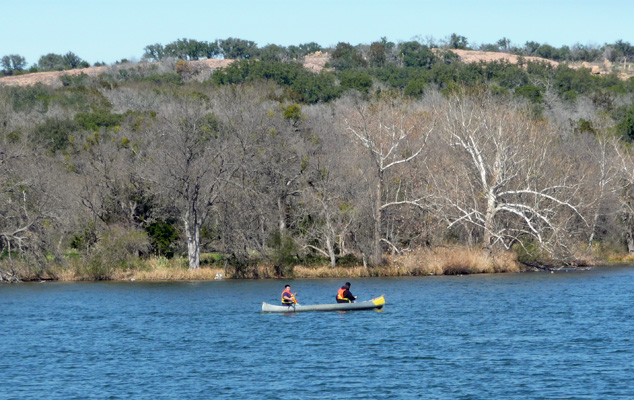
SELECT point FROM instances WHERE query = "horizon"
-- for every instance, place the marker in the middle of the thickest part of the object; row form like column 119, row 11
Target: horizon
column 118, row 30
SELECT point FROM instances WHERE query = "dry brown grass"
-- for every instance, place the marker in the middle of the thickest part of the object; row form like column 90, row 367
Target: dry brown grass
column 301, row 271
column 171, row 274
column 453, row 261
column 438, row 261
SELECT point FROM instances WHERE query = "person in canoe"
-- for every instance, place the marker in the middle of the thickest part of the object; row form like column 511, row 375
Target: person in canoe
column 288, row 298
column 344, row 295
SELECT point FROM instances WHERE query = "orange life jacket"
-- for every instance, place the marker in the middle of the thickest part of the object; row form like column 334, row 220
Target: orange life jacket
column 340, row 294
column 290, row 299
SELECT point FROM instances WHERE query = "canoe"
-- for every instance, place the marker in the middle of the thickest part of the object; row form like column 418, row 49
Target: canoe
column 362, row 305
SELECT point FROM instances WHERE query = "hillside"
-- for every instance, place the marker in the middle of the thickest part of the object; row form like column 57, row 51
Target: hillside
column 314, row 62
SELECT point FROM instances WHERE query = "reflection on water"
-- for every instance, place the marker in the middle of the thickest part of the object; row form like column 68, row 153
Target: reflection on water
column 534, row 335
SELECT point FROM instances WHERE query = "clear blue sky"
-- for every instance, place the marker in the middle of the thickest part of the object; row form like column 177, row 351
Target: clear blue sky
column 112, row 30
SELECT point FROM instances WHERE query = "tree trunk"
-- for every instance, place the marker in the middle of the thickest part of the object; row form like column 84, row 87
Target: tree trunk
column 331, row 251
column 376, row 245
column 629, row 234
column 630, row 242
column 488, row 220
column 192, row 230
column 282, row 215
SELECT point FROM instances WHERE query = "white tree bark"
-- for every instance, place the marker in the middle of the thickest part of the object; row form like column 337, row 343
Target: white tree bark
column 393, row 133
column 519, row 184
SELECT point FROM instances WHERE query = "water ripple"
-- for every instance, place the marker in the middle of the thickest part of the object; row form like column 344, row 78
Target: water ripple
column 538, row 336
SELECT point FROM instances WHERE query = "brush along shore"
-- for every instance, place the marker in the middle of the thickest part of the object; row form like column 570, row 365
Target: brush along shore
column 423, row 262
column 442, row 260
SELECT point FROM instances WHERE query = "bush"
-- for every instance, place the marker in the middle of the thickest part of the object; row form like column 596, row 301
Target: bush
column 162, row 236
column 356, row 80
column 532, row 93
column 283, row 254
column 54, row 134
column 414, row 88
column 98, row 119
column 165, row 79
column 118, row 249
column 30, row 98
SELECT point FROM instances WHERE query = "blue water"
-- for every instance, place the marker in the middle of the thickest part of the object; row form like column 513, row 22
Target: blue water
column 535, row 335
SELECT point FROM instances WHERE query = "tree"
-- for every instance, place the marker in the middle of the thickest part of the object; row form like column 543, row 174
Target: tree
column 458, row 42
column 32, row 202
column 507, row 175
column 326, row 208
column 531, row 47
column 13, row 63
column 52, row 62
column 377, row 54
column 189, row 163
column 415, row 54
column 238, row 49
column 604, row 156
column 73, row 61
column 504, row 44
column 356, row 80
column 391, row 132
column 154, row 52
column 345, row 56
column 273, row 53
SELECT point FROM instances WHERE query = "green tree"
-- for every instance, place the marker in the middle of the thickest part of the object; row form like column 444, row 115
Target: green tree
column 626, row 126
column 52, row 62
column 356, row 80
column 162, row 236
column 504, row 44
column 13, row 63
column 211, row 49
column 73, row 61
column 346, row 56
column 377, row 54
column 415, row 54
column 530, row 48
column 532, row 93
column 273, row 52
column 458, row 42
column 186, row 49
column 547, row 51
column 238, row 49
column 154, row 52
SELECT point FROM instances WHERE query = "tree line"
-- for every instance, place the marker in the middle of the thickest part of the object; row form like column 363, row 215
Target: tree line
column 377, row 53
column 264, row 161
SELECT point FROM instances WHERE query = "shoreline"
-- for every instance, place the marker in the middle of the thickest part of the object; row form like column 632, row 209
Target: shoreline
column 423, row 262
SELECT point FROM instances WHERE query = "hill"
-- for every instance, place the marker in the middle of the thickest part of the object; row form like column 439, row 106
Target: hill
column 314, row 62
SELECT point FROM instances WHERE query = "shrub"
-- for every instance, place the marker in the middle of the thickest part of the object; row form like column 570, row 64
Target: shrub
column 98, row 119
column 54, row 134
column 117, row 249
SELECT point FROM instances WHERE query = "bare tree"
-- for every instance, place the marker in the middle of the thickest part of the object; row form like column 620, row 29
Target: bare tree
column 31, row 199
column 626, row 193
column 329, row 190
column 189, row 162
column 508, row 175
column 392, row 132
column 605, row 183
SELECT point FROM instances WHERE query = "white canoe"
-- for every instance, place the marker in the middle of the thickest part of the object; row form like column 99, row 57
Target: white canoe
column 363, row 305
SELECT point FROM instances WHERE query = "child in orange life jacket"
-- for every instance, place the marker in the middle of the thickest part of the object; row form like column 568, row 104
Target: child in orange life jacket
column 288, row 298
column 344, row 295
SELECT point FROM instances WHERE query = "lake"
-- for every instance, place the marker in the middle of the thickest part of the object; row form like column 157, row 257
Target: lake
column 508, row 336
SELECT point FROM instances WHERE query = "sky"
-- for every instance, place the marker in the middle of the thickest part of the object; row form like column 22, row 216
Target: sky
column 112, row 30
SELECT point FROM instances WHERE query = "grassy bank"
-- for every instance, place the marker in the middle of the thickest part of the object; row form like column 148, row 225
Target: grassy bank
column 437, row 261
